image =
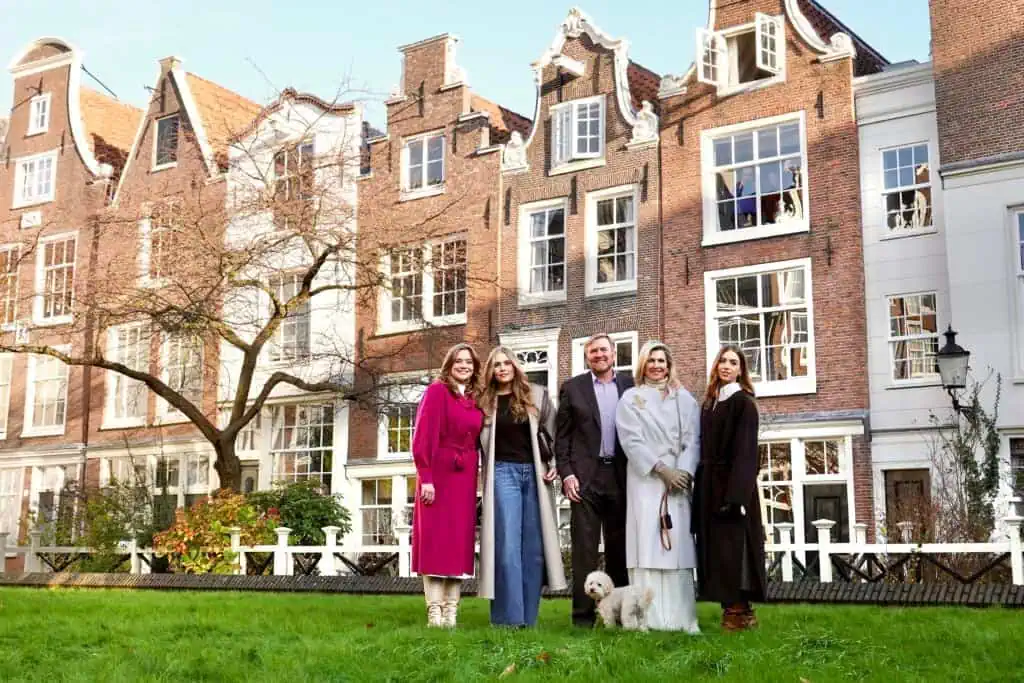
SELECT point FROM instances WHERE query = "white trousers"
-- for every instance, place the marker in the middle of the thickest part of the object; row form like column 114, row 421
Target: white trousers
column 674, row 607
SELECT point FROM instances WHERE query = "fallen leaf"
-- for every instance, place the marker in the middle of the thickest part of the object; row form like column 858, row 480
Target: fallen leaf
column 509, row 670
column 370, row 625
column 544, row 657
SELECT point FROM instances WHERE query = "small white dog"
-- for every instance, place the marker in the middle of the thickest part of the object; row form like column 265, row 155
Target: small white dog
column 626, row 604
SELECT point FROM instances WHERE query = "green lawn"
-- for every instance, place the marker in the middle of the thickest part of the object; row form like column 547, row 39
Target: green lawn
column 108, row 635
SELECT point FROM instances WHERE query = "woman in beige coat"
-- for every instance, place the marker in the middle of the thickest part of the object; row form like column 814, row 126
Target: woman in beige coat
column 519, row 548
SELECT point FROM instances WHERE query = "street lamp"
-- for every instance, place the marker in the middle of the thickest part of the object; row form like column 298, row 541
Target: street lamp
column 952, row 360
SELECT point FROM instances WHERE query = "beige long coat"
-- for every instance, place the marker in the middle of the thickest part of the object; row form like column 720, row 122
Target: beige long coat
column 555, row 572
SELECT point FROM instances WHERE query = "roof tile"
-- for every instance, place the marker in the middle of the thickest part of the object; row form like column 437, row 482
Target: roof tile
column 224, row 113
column 503, row 121
column 110, row 127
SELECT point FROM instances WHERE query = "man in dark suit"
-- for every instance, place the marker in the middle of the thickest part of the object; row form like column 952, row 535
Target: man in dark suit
column 592, row 467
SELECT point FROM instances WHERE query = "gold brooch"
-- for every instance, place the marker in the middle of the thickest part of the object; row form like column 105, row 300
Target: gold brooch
column 639, row 401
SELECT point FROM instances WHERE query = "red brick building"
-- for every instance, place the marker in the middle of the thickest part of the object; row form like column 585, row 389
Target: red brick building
column 762, row 240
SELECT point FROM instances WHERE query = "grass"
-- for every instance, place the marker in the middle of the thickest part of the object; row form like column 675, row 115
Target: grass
column 107, row 635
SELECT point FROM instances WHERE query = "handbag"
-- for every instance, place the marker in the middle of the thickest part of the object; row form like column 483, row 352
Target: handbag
column 546, row 444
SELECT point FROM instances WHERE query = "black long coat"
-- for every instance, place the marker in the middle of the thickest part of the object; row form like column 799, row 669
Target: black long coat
column 728, row 474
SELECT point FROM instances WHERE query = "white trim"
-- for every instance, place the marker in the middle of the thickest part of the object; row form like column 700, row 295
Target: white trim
column 524, row 253
column 109, row 421
column 410, row 390
column 16, row 248
column 787, row 387
column 546, row 340
column 892, row 233
column 40, row 281
column 591, row 286
column 153, row 165
column 926, row 380
column 1016, row 218
column 427, row 318
column 165, row 412
column 33, row 129
column 195, row 121
column 711, row 234
column 30, row 392
column 579, row 364
column 5, row 408
column 17, row 202
column 576, row 157
column 407, row 194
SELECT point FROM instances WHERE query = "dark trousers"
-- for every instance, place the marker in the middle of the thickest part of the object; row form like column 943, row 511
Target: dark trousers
column 602, row 508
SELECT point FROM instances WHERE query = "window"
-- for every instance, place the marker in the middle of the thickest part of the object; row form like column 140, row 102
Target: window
column 34, row 179
column 423, row 164
column 53, row 493
column 126, row 397
column 611, row 237
column 46, row 399
column 39, row 114
column 577, row 130
column 292, row 338
column 6, row 366
column 766, row 311
column 293, row 172
column 536, row 365
column 775, row 486
column 537, row 353
column 401, row 422
column 399, row 400
column 376, row 512
column 1017, row 466
column 183, row 369
column 742, row 56
column 759, row 175
column 55, row 279
column 10, row 259
column 418, row 295
column 248, row 437
column 908, row 193
column 626, row 352
column 913, row 337
column 302, row 442
column 165, row 146
column 542, row 251
column 161, row 234
column 10, row 502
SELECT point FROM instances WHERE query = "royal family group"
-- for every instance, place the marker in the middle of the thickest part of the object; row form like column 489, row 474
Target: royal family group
column 668, row 483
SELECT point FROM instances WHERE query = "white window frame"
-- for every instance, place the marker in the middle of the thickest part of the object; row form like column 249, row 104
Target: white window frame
column 6, row 384
column 30, row 394
column 427, row 290
column 12, row 482
column 1016, row 250
column 579, row 356
column 329, row 415
column 525, row 259
column 591, row 286
column 788, row 387
column 301, row 350
column 545, row 340
column 154, row 166
column 559, row 119
column 118, row 385
column 712, row 235
column 899, row 189
column 166, row 413
column 39, row 300
column 20, row 200
column 890, row 340
column 407, row 191
column 10, row 286
column 715, row 58
column 405, row 388
column 39, row 114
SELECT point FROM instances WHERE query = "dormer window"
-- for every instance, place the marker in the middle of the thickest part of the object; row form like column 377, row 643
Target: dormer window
column 39, row 114
column 577, row 130
column 423, row 165
column 741, row 56
column 165, row 146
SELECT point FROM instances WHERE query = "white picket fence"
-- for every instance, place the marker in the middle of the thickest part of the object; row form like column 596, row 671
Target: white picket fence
column 329, row 564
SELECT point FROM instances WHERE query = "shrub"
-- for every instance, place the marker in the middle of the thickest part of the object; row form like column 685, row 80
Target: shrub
column 305, row 509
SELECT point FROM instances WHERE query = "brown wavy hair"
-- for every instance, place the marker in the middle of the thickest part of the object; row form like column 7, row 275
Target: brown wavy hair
column 715, row 382
column 446, row 369
column 521, row 404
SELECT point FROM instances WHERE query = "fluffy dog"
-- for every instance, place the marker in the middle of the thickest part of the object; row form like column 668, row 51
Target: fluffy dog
column 626, row 605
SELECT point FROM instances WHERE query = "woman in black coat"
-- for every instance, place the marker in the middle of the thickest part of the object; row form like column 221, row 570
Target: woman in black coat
column 727, row 523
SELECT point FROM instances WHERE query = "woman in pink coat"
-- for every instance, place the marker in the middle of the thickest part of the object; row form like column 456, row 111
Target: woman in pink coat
column 444, row 448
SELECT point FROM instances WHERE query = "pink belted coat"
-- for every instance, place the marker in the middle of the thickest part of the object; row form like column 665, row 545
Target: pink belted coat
column 444, row 449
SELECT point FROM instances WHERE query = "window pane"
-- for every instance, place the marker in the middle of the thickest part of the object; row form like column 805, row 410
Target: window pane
column 556, row 222
column 767, row 143
column 605, row 212
column 723, row 152
column 744, row 148
column 435, row 148
column 789, row 139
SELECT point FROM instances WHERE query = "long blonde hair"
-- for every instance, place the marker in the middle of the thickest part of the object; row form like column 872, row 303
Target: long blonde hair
column 639, row 374
column 446, row 369
column 715, row 382
column 521, row 404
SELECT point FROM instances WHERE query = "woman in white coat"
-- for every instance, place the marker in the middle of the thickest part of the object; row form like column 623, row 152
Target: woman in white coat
column 658, row 424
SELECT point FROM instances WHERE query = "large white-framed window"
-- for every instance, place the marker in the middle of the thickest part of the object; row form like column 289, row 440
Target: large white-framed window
column 175, row 480
column 426, row 285
column 293, row 170
column 913, row 337
column 542, row 251
column 160, row 234
column 400, row 397
column 52, row 492
column 55, row 279
column 577, row 132
column 302, row 442
column 181, row 362
column 611, row 240
column 10, row 262
column 378, row 506
column 767, row 311
column 6, row 375
column 906, row 188
column 423, row 165
column 754, row 179
column 35, row 179
column 1016, row 444
column 11, row 482
column 1017, row 257
column 743, row 57
column 537, row 353
column 293, row 337
column 165, row 142
column 627, row 349
column 126, row 398
column 39, row 114
column 46, row 395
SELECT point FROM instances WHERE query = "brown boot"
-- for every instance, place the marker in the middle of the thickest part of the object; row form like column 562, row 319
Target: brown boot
column 749, row 618
column 733, row 619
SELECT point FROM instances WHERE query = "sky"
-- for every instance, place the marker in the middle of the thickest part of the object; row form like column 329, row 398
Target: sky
column 340, row 47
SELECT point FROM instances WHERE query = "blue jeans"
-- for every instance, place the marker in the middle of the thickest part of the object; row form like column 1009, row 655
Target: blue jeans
column 518, row 546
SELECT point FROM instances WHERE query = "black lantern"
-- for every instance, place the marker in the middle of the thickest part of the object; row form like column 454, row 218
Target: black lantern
column 952, row 360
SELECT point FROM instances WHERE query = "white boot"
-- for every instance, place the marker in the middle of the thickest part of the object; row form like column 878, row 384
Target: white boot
column 433, row 591
column 450, row 606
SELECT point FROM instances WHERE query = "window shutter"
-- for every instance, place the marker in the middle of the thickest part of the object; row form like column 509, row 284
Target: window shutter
column 710, row 57
column 770, row 43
